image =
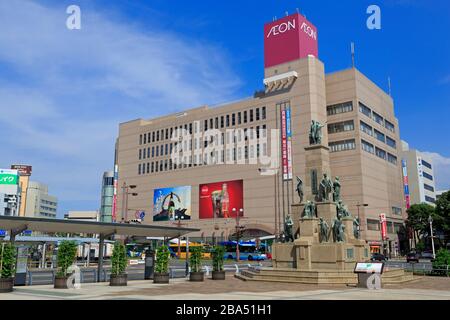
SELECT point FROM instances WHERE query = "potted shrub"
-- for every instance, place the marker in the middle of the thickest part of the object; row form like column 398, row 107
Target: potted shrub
column 7, row 267
column 118, row 265
column 67, row 253
column 161, row 274
column 195, row 259
column 217, row 257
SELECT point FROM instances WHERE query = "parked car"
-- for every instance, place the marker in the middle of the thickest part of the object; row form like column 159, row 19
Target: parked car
column 427, row 255
column 378, row 257
column 412, row 256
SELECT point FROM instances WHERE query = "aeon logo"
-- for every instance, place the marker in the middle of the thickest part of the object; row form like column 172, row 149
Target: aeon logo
column 281, row 28
column 309, row 31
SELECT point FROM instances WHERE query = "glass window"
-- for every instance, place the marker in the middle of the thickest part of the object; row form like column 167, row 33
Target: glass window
column 373, row 225
column 365, row 128
column 257, row 114
column 228, row 121
column 426, row 164
column 365, row 110
column 428, row 176
column 153, row 136
column 397, row 211
column 343, row 145
column 153, row 167
column 153, row 152
column 239, row 118
column 140, row 139
column 211, row 123
column 139, row 168
column 380, row 153
column 245, row 116
column 251, row 115
column 390, row 142
column 233, row 119
column 428, row 187
column 378, row 119
column 339, row 108
column 140, row 154
column 341, row 126
column 221, row 122
column 430, row 199
column 216, row 123
column 148, row 152
column 379, row 135
column 392, row 159
column 205, row 125
column 263, row 113
column 366, row 146
column 157, row 135
column 389, row 125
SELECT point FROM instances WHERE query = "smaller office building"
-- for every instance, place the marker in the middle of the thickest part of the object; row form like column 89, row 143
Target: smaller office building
column 418, row 177
column 39, row 203
column 107, row 197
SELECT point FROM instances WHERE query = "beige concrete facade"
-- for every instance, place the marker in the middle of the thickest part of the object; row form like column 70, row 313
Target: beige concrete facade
column 365, row 177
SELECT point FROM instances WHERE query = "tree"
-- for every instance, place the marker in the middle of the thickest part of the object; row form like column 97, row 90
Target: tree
column 418, row 219
column 443, row 215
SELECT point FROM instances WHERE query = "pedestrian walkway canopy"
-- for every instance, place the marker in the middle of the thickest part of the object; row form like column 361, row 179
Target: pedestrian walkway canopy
column 17, row 225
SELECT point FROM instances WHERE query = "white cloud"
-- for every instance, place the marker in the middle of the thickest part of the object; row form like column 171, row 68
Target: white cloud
column 441, row 170
column 64, row 92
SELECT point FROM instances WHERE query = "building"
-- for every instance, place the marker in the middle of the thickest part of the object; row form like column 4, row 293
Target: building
column 243, row 157
column 9, row 192
column 24, row 177
column 420, row 181
column 39, row 203
column 107, row 197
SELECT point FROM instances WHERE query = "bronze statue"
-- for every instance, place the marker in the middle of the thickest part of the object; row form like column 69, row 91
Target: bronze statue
column 338, row 229
column 336, row 189
column 299, row 189
column 325, row 188
column 288, row 223
column 315, row 132
column 324, row 230
column 309, row 210
column 356, row 227
column 341, row 209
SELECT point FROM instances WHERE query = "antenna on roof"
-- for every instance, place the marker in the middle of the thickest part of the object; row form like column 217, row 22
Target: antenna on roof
column 296, row 9
column 352, row 45
column 287, row 13
column 389, row 86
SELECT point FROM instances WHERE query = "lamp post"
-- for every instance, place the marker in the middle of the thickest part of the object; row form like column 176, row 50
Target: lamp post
column 125, row 194
column 273, row 171
column 238, row 230
column 359, row 219
column 430, row 220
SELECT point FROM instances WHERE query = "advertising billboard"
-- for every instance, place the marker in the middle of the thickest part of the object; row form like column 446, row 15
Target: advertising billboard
column 217, row 200
column 406, row 184
column 8, row 176
column 289, row 38
column 286, row 142
column 173, row 203
column 23, row 170
column 383, row 223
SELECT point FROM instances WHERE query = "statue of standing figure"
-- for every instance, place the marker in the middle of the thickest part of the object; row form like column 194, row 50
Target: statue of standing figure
column 288, row 223
column 341, row 209
column 336, row 189
column 310, row 210
column 356, row 227
column 338, row 229
column 324, row 230
column 299, row 189
column 325, row 188
column 315, row 132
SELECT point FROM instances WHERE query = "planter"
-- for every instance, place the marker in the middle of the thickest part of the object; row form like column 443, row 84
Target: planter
column 196, row 276
column 117, row 280
column 6, row 284
column 218, row 275
column 61, row 282
column 160, row 277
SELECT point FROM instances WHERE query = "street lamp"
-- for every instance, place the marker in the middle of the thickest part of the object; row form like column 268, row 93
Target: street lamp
column 126, row 193
column 359, row 219
column 274, row 172
column 430, row 220
column 238, row 230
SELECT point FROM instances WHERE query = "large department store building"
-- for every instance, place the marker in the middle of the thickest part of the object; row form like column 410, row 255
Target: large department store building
column 254, row 174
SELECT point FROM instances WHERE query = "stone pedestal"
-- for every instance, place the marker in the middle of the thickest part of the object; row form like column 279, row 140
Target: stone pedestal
column 317, row 158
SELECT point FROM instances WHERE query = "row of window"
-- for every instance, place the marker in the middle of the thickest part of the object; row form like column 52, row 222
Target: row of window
column 225, row 121
column 341, row 126
column 392, row 227
column 48, row 209
column 376, row 117
column 370, row 148
column 340, row 108
column 49, row 202
column 225, row 156
column 364, row 127
column 343, row 145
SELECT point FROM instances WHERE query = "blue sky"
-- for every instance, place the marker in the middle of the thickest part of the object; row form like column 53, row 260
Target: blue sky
column 63, row 92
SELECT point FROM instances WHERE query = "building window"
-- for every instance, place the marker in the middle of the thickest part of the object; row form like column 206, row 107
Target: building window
column 157, row 135
column 239, row 118
column 233, row 119
column 428, row 187
column 148, row 167
column 140, row 154
column 228, row 121
column 257, row 114
column 153, row 167
column 390, row 142
column 221, row 122
column 380, row 153
column 153, row 136
column 430, row 199
column 365, row 128
column 426, row 164
column 341, row 126
column 245, row 116
column 343, row 145
column 148, row 152
column 263, row 113
column 378, row 119
column 428, row 176
column 211, row 123
column 167, row 134
column 379, row 135
column 366, row 146
column 389, row 125
column 145, row 138
column 373, row 225
column 251, row 115
column 392, row 159
column 205, row 125
column 365, row 110
column 140, row 139
column 216, row 123
column 397, row 227
column 139, row 168
column 397, row 211
column 339, row 108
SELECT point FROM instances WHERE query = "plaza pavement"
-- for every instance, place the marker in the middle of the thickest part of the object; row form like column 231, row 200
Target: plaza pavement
column 423, row 288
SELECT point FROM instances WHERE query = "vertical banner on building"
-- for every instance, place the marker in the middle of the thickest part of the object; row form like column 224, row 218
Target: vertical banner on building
column 406, row 184
column 420, row 178
column 289, row 143
column 284, row 151
column 383, row 224
column 116, row 178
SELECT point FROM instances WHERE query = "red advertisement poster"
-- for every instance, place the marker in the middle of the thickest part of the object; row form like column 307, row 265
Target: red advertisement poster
column 217, row 200
column 383, row 226
column 284, row 150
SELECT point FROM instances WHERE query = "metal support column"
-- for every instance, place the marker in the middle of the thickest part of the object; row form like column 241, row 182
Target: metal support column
column 100, row 257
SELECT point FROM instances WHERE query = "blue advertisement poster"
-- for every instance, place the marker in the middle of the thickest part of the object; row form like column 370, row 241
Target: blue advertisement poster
column 173, row 203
